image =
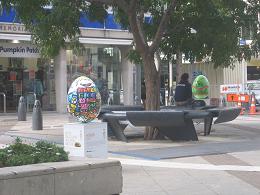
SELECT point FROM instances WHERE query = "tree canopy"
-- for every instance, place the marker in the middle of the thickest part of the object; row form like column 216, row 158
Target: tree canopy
column 217, row 24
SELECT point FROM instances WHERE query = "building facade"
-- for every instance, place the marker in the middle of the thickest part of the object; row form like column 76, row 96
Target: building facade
column 23, row 72
column 245, row 74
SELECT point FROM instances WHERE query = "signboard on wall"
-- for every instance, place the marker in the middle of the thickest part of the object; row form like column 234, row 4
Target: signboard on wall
column 19, row 50
column 230, row 88
column 12, row 28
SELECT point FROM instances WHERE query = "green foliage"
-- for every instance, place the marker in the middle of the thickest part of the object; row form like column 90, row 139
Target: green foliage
column 22, row 154
column 217, row 24
column 121, row 18
column 216, row 30
column 97, row 12
column 134, row 57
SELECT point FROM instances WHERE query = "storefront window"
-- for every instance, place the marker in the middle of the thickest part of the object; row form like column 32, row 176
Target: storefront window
column 102, row 65
column 31, row 77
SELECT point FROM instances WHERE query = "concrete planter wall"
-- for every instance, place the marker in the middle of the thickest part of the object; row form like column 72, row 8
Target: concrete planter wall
column 75, row 177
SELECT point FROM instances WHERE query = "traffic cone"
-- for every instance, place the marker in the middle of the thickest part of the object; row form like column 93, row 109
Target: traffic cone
column 239, row 104
column 252, row 109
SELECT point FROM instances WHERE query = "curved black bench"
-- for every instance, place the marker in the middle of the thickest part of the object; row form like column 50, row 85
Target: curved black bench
column 222, row 115
column 225, row 114
column 114, row 120
column 176, row 125
column 111, row 108
column 123, row 107
column 114, row 124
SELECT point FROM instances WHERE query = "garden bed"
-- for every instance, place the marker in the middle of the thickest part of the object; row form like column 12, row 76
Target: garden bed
column 19, row 153
column 79, row 176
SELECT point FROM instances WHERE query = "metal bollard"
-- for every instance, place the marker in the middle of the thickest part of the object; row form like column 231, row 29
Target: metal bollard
column 37, row 116
column 21, row 109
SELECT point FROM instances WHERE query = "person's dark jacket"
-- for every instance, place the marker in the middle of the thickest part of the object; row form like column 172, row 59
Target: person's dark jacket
column 183, row 91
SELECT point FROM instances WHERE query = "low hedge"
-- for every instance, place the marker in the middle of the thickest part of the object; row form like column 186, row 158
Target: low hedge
column 19, row 153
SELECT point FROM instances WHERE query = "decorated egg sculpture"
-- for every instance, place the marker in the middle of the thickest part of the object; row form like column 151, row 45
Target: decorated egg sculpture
column 84, row 100
column 200, row 87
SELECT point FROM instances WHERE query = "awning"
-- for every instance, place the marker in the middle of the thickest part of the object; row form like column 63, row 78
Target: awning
column 87, row 40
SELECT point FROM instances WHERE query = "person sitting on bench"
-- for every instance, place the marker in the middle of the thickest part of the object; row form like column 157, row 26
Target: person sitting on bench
column 183, row 91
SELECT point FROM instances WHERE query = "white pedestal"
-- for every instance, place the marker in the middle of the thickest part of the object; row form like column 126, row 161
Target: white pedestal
column 86, row 139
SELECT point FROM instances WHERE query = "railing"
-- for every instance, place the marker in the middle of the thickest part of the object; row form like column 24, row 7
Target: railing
column 4, row 96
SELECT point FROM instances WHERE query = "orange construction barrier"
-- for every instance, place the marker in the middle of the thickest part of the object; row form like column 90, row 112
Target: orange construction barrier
column 233, row 97
column 252, row 109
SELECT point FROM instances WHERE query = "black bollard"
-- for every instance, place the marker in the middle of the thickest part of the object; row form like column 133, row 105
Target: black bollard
column 37, row 116
column 21, row 109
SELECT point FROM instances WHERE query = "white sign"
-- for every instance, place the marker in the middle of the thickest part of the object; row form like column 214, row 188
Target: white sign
column 19, row 50
column 86, row 139
column 230, row 88
column 12, row 28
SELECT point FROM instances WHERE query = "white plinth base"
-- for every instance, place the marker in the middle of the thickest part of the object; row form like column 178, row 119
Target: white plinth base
column 86, row 139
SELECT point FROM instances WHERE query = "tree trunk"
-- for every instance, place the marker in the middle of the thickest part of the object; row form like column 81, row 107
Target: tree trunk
column 152, row 83
column 178, row 65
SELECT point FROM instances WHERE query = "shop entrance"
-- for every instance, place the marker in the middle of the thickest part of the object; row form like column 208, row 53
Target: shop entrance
column 11, row 82
column 102, row 65
column 32, row 78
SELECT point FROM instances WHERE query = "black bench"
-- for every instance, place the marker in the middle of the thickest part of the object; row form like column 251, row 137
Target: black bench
column 222, row 115
column 120, row 108
column 175, row 124
column 115, row 125
column 105, row 109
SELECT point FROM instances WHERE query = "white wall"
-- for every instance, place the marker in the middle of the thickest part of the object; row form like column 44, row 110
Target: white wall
column 236, row 74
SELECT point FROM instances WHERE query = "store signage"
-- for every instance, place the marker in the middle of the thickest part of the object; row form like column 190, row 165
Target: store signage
column 230, row 88
column 12, row 28
column 19, row 50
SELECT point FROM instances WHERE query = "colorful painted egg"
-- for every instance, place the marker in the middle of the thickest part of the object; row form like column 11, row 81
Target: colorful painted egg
column 200, row 87
column 84, row 100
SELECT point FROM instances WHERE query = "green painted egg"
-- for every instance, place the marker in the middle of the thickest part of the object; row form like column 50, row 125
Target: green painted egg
column 200, row 87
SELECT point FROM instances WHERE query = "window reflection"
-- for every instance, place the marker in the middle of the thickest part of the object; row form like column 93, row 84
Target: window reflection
column 102, row 65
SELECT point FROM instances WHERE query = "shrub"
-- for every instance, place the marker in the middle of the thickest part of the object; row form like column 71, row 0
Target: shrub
column 22, row 154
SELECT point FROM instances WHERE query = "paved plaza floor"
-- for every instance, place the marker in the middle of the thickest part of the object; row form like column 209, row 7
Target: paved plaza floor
column 225, row 162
